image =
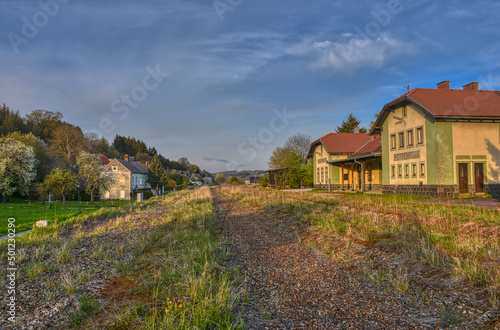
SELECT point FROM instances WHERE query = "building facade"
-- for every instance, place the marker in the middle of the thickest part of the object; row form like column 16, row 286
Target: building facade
column 129, row 176
column 346, row 161
column 441, row 142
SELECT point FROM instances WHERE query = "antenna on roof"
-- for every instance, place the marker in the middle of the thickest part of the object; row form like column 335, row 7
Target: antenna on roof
column 407, row 87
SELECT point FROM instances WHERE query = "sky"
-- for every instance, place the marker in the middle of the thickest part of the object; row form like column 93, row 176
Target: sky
column 225, row 82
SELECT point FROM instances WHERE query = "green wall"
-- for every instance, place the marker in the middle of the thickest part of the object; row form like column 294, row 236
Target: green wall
column 385, row 173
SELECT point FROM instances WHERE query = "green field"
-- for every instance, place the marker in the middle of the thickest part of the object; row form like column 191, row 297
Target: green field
column 27, row 213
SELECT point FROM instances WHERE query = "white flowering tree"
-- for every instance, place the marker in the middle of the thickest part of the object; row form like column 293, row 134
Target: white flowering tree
column 17, row 167
column 91, row 171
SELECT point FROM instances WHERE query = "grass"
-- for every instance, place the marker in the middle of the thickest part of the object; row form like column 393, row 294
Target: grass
column 27, row 213
column 452, row 241
column 185, row 286
column 166, row 260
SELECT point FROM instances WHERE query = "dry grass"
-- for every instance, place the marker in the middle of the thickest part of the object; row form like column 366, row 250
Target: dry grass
column 458, row 242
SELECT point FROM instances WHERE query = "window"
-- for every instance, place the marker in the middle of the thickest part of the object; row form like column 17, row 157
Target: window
column 114, row 168
column 326, row 174
column 420, row 135
column 317, row 175
column 409, row 138
column 322, row 174
column 400, row 171
column 407, row 171
column 393, row 141
column 405, row 111
column 401, row 139
column 414, row 170
column 422, row 169
column 393, row 171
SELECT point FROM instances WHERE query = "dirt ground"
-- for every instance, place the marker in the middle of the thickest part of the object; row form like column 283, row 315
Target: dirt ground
column 289, row 285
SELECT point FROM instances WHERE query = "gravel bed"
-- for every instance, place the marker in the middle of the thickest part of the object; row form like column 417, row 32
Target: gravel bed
column 289, row 285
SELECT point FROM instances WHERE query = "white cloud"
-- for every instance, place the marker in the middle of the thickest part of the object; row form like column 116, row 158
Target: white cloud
column 350, row 54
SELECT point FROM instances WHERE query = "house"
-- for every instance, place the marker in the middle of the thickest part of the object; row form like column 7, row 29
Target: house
column 129, row 175
column 346, row 161
column 441, row 142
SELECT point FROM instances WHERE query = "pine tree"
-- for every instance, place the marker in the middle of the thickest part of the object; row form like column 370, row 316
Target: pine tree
column 349, row 125
column 156, row 174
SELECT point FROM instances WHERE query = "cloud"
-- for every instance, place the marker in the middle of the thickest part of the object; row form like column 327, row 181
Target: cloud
column 209, row 159
column 350, row 54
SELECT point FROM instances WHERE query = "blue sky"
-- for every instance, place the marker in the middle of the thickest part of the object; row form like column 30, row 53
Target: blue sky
column 225, row 82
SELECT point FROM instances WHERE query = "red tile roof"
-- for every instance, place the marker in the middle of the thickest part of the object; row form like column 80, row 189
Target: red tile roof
column 105, row 160
column 447, row 103
column 340, row 143
column 374, row 146
column 455, row 102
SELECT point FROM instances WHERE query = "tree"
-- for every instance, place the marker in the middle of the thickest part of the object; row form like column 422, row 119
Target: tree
column 349, row 125
column 17, row 167
column 184, row 162
column 40, row 149
column 60, row 181
column 157, row 175
column 292, row 157
column 42, row 123
column 91, row 172
column 219, row 179
column 278, row 157
column 67, row 142
column 234, row 180
column 10, row 121
column 300, row 143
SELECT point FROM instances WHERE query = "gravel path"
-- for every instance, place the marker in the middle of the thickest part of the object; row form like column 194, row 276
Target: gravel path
column 292, row 286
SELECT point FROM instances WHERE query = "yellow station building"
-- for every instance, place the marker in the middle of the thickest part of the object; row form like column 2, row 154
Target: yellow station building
column 438, row 142
column 346, row 161
column 441, row 142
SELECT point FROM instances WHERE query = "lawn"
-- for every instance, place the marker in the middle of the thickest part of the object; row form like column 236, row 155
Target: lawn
column 27, row 213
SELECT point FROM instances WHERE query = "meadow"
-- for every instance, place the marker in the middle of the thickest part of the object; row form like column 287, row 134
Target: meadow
column 27, row 213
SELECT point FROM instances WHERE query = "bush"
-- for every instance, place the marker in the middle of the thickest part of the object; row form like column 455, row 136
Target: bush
column 264, row 180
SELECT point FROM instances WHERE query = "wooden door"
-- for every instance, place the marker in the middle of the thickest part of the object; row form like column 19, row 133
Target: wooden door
column 478, row 175
column 463, row 180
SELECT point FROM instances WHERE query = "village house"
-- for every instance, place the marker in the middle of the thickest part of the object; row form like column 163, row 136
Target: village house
column 129, row 176
column 441, row 142
column 346, row 161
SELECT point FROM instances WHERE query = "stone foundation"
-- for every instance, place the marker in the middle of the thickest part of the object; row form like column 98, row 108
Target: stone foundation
column 442, row 191
column 492, row 189
column 347, row 187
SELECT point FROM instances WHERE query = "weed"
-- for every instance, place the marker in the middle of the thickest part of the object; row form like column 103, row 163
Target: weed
column 68, row 283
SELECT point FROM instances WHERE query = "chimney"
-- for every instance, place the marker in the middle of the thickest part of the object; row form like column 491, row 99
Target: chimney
column 126, row 157
column 473, row 86
column 356, row 130
column 444, row 85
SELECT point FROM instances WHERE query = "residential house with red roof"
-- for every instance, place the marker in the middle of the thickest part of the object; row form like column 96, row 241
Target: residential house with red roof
column 346, row 161
column 441, row 142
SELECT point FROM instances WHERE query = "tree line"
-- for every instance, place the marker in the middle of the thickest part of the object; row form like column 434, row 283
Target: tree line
column 41, row 153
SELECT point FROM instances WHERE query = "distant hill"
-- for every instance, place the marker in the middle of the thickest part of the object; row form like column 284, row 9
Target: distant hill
column 242, row 174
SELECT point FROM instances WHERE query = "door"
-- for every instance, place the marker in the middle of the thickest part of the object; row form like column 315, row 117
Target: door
column 463, row 181
column 478, row 176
